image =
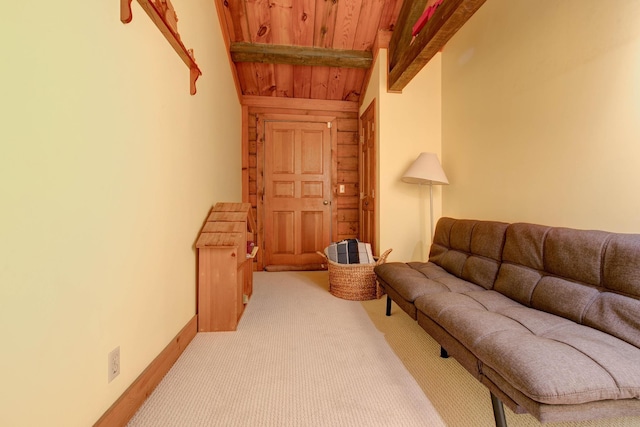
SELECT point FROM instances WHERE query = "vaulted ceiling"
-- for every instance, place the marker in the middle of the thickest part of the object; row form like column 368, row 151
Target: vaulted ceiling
column 323, row 49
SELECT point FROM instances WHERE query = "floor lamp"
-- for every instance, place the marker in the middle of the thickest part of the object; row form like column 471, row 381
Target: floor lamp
column 426, row 170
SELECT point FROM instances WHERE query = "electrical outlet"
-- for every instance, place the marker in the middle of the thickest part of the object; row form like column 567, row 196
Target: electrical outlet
column 114, row 363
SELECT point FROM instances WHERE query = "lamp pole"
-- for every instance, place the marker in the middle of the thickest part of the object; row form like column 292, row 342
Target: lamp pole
column 431, row 210
column 426, row 170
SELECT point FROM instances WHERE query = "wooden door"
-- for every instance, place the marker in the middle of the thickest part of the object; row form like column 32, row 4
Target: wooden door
column 297, row 192
column 368, row 176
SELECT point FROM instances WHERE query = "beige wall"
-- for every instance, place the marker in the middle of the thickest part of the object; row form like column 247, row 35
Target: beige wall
column 408, row 124
column 541, row 114
column 530, row 125
column 107, row 170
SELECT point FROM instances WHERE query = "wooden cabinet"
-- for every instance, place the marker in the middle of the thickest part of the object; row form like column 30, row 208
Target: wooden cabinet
column 225, row 270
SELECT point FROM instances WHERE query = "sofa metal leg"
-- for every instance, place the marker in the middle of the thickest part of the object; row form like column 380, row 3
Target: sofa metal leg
column 443, row 353
column 388, row 305
column 498, row 411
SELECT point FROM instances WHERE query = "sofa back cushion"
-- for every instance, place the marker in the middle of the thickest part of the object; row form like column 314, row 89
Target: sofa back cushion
column 618, row 307
column 590, row 277
column 469, row 249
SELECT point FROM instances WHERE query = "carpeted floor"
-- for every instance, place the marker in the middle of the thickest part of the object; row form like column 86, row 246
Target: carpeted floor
column 302, row 357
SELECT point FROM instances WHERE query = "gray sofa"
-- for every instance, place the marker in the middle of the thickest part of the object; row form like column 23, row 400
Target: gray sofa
column 547, row 318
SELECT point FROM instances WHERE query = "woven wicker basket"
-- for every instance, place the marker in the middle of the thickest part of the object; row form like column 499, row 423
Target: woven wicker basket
column 356, row 282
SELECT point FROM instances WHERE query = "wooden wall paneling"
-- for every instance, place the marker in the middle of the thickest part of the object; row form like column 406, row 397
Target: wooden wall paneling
column 245, row 154
column 346, row 151
column 294, row 115
column 259, row 173
column 254, row 202
column 347, row 230
column 252, row 131
column 348, row 138
column 348, row 215
column 347, row 177
column 349, row 202
column 253, row 159
column 348, row 124
column 334, row 178
column 346, row 119
column 300, row 104
column 249, row 160
column 348, row 164
column 338, row 115
column 351, row 189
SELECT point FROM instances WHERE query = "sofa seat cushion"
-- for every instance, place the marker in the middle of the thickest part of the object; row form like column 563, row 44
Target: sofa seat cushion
column 411, row 280
column 548, row 358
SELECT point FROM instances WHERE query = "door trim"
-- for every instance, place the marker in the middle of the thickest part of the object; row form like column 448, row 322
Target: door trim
column 373, row 173
column 261, row 120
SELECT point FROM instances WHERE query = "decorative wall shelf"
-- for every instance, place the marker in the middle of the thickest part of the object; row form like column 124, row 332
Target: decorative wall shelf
column 168, row 27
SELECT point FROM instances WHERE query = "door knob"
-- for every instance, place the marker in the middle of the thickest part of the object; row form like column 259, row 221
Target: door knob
column 326, row 202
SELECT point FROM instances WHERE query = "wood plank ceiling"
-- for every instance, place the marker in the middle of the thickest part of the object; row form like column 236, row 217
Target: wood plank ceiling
column 322, row 49
column 342, row 33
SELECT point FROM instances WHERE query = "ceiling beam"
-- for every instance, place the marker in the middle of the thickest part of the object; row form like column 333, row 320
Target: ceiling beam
column 409, row 14
column 410, row 57
column 300, row 55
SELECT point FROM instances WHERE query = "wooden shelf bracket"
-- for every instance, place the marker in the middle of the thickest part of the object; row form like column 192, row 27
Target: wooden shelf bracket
column 168, row 27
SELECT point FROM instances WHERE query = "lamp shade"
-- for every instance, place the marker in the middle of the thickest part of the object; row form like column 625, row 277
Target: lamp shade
column 425, row 169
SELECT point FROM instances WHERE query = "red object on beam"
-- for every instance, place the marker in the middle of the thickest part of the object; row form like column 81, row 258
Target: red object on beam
column 426, row 15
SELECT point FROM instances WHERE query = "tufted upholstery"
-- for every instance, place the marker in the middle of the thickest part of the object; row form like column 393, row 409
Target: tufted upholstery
column 547, row 317
column 572, row 273
column 465, row 256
